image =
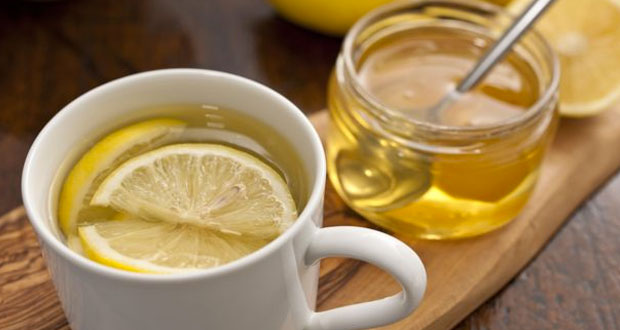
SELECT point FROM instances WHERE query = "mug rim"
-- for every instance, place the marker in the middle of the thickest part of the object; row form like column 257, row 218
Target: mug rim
column 48, row 238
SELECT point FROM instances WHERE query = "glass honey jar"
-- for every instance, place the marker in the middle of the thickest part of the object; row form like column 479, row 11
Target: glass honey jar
column 460, row 172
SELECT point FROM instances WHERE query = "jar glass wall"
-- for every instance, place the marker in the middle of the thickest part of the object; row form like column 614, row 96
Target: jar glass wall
column 459, row 173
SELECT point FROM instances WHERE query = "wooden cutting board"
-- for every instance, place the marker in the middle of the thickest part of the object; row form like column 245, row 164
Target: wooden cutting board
column 461, row 274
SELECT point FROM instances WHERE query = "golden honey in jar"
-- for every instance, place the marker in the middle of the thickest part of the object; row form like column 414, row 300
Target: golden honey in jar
column 460, row 172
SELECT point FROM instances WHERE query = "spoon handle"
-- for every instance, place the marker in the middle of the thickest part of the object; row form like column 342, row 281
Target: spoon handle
column 504, row 44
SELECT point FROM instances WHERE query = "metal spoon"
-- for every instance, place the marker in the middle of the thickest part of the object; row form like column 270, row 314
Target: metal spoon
column 493, row 55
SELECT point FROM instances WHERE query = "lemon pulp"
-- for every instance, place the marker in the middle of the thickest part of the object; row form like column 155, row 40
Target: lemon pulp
column 162, row 247
column 101, row 158
column 204, row 185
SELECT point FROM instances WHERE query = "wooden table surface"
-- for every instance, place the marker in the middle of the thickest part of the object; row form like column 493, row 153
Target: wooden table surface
column 51, row 52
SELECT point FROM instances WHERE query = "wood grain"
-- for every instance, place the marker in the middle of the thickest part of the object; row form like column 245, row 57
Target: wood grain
column 579, row 289
column 53, row 51
column 28, row 298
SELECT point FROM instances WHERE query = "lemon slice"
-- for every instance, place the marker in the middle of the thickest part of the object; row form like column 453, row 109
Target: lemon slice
column 102, row 158
column 204, row 185
column 161, row 247
column 586, row 36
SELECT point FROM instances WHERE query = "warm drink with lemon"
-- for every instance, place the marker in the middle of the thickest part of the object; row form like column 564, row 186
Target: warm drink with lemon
column 464, row 171
column 184, row 188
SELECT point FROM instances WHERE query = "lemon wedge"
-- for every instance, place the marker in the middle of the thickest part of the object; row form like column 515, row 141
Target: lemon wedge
column 161, row 247
column 586, row 36
column 204, row 185
column 102, row 158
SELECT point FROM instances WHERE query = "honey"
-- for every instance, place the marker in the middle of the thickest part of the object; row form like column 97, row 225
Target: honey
column 464, row 171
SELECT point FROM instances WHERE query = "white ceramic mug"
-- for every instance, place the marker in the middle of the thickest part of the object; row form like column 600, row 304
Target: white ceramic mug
column 270, row 289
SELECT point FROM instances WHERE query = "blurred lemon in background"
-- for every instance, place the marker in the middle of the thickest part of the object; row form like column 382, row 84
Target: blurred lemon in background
column 333, row 17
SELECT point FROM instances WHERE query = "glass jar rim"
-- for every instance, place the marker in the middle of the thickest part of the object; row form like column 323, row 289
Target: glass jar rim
column 384, row 12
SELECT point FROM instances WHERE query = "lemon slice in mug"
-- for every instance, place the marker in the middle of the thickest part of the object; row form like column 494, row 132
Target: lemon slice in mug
column 162, row 247
column 104, row 156
column 203, row 185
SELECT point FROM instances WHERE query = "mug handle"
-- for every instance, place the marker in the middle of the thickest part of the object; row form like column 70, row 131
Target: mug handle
column 382, row 250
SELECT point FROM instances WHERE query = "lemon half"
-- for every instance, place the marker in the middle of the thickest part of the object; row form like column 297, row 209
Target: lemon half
column 586, row 36
column 203, row 185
